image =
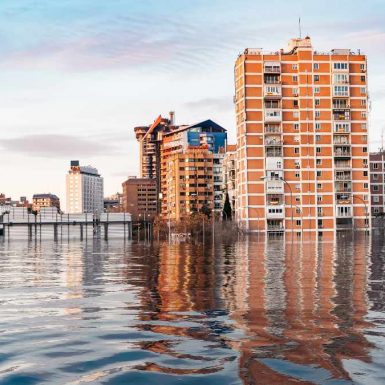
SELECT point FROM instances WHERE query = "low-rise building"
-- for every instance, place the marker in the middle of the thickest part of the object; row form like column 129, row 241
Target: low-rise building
column 140, row 198
column 45, row 200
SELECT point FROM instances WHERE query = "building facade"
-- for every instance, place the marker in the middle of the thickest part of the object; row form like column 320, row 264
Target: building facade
column 377, row 180
column 140, row 198
column 302, row 145
column 84, row 187
column 191, row 169
column 229, row 172
column 45, row 200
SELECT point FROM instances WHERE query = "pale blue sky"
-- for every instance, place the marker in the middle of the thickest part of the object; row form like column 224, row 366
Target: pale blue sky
column 77, row 75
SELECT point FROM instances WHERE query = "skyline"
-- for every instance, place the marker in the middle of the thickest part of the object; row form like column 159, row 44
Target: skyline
column 76, row 79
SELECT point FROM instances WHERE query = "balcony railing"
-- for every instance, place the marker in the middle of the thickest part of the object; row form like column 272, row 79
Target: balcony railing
column 343, row 187
column 344, row 211
column 275, row 129
column 343, row 176
column 272, row 69
column 338, row 152
column 273, row 142
column 341, row 140
column 274, row 91
column 273, row 115
column 273, row 152
column 342, row 165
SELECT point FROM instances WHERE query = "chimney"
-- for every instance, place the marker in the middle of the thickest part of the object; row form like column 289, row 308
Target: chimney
column 172, row 118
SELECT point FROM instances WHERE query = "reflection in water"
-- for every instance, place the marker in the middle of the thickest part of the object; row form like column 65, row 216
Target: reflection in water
column 253, row 312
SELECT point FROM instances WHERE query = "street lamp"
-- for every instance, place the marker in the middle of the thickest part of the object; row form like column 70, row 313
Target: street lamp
column 291, row 196
column 366, row 211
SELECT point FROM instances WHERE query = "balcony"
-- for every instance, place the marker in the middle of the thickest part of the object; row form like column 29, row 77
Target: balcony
column 341, row 103
column 341, row 128
column 343, row 175
column 343, row 199
column 345, row 211
column 273, row 151
column 342, row 152
column 272, row 129
column 273, row 91
column 275, row 186
column 341, row 140
column 341, row 91
column 342, row 164
column 275, row 225
column 275, row 212
column 273, row 141
column 272, row 79
column 341, row 114
column 343, row 187
column 273, row 115
column 274, row 199
column 272, row 68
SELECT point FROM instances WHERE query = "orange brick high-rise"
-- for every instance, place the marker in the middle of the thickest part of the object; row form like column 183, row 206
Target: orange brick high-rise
column 302, row 145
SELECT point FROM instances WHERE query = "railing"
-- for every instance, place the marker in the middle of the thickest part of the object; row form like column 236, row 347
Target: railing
column 272, row 69
column 342, row 153
column 343, row 177
column 342, row 165
column 273, row 130
column 275, row 228
column 274, row 142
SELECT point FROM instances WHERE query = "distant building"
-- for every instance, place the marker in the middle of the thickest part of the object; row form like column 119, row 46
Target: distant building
column 150, row 139
column 229, row 170
column 113, row 203
column 191, row 169
column 45, row 200
column 140, row 198
column 377, row 181
column 9, row 202
column 84, row 187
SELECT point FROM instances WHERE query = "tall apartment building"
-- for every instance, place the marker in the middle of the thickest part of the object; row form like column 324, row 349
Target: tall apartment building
column 140, row 198
column 191, row 169
column 150, row 139
column 45, row 200
column 229, row 172
column 302, row 146
column 377, row 182
column 84, row 187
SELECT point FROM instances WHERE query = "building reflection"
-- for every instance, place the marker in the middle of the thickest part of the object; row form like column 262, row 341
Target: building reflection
column 306, row 306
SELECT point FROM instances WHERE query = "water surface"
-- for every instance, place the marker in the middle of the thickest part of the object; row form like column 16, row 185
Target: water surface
column 250, row 312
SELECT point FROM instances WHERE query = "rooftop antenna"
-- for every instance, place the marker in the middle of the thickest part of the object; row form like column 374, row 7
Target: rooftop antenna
column 299, row 27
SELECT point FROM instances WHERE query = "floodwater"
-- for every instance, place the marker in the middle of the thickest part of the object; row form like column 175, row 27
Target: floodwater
column 249, row 312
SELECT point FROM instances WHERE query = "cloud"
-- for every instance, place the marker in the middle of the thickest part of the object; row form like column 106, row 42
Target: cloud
column 216, row 104
column 57, row 146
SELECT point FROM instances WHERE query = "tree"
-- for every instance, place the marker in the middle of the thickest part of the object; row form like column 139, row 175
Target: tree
column 206, row 211
column 227, row 212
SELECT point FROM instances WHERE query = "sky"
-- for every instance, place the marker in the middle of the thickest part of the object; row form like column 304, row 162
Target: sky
column 76, row 76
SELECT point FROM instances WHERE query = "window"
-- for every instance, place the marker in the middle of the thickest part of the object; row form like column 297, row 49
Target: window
column 318, row 150
column 295, row 114
column 296, row 126
column 365, row 173
column 296, row 150
column 298, row 210
column 363, row 78
column 297, row 186
column 297, row 138
column 319, row 186
column 365, row 185
column 318, row 162
column 318, row 126
column 362, row 67
column 317, row 114
column 319, row 198
column 295, row 78
column 295, row 103
column 376, row 199
column 319, row 211
column 295, row 91
column 297, row 199
column 318, row 138
column 363, row 114
column 363, row 102
column 375, row 176
column 363, row 90
column 340, row 66
column 316, row 78
column 364, row 149
column 363, row 126
column 319, row 173
column 297, row 174
column 316, row 66
column 375, row 166
column 375, row 188
column 317, row 102
column 316, row 90
column 294, row 66
column 298, row 221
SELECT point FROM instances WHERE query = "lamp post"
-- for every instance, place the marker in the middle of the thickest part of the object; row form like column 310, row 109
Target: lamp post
column 366, row 211
column 291, row 197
